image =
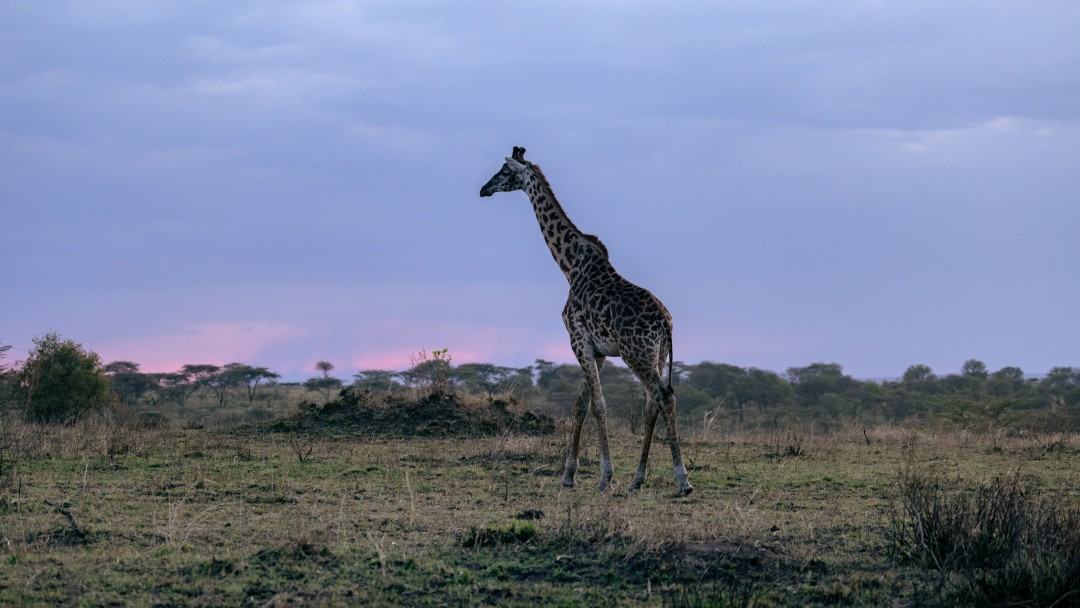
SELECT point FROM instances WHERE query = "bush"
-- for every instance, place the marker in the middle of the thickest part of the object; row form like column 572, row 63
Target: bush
column 1000, row 543
column 434, row 414
column 60, row 380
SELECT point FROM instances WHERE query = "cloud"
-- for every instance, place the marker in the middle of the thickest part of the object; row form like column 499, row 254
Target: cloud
column 302, row 176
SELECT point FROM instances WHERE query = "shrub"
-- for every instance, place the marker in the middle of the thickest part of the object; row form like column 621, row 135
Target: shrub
column 433, row 415
column 60, row 380
column 999, row 543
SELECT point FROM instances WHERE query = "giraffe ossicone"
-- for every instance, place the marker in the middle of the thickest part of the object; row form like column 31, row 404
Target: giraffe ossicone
column 606, row 316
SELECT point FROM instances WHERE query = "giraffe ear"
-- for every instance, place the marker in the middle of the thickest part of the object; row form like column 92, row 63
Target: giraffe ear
column 514, row 164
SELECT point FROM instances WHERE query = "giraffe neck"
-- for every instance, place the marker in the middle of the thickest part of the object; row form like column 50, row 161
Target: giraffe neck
column 575, row 252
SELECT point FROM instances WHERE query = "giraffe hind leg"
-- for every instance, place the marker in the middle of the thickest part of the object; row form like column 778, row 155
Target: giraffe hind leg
column 652, row 410
column 663, row 400
column 581, row 410
column 668, row 409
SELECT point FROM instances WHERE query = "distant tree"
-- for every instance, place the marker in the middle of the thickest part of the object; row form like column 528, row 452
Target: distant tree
column 720, row 380
column 517, row 379
column 624, row 394
column 480, row 378
column 560, row 384
column 196, row 373
column 1062, row 387
column 223, row 380
column 766, row 389
column 177, row 388
column 873, row 398
column 958, row 408
column 816, row 380
column 975, row 369
column 918, row 373
column 249, row 377
column 679, row 372
column 430, row 372
column 692, row 402
column 545, row 371
column 1062, row 377
column 324, row 384
column 376, row 380
column 1006, row 381
column 971, row 385
column 476, row 378
column 121, row 367
column 60, row 380
column 128, row 382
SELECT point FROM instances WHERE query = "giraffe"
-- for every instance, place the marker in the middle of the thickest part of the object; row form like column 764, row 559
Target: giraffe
column 606, row 316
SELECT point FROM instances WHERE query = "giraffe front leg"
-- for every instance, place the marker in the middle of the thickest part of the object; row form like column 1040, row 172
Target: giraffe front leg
column 591, row 367
column 607, row 470
column 581, row 410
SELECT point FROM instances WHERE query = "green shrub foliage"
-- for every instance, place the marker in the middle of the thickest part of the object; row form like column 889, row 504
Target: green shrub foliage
column 60, row 380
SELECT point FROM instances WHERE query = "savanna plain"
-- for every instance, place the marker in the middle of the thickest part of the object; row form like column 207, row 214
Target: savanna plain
column 337, row 506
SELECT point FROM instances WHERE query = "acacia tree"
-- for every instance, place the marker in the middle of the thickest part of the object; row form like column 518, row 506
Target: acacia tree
column 720, row 380
column 60, row 380
column 377, row 380
column 481, row 378
column 127, row 381
column 1061, row 387
column 975, row 369
column 325, row 384
column 249, row 377
column 221, row 380
column 176, row 388
column 814, row 381
column 765, row 389
column 918, row 373
column 198, row 372
column 325, row 367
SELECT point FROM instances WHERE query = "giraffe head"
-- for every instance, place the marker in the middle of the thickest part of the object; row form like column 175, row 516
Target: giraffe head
column 510, row 177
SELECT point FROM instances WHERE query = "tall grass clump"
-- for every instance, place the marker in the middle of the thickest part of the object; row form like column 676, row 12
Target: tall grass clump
column 1003, row 542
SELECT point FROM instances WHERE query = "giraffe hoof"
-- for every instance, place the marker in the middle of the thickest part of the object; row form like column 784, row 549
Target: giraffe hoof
column 686, row 490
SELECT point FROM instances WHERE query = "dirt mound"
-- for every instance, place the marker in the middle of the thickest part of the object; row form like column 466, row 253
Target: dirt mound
column 438, row 414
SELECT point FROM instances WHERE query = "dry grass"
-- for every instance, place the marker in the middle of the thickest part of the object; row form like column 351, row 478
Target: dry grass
column 1000, row 542
column 210, row 517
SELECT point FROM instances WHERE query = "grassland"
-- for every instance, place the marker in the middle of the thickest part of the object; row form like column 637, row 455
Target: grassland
column 107, row 514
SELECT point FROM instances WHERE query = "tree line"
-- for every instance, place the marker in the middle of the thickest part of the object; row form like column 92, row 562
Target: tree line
column 59, row 379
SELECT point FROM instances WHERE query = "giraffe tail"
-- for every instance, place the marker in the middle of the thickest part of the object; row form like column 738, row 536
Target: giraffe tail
column 670, row 365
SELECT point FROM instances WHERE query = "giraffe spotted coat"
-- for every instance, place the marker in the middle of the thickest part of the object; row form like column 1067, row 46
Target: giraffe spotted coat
column 605, row 316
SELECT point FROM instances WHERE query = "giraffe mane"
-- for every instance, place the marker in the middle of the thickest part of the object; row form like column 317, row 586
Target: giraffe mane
column 588, row 237
column 595, row 240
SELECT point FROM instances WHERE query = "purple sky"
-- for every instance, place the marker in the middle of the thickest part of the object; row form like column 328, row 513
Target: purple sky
column 876, row 184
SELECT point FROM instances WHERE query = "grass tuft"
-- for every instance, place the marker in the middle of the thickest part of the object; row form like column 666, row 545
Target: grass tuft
column 1003, row 542
column 512, row 532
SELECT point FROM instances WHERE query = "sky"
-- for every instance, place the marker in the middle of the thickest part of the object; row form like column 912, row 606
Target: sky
column 871, row 183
